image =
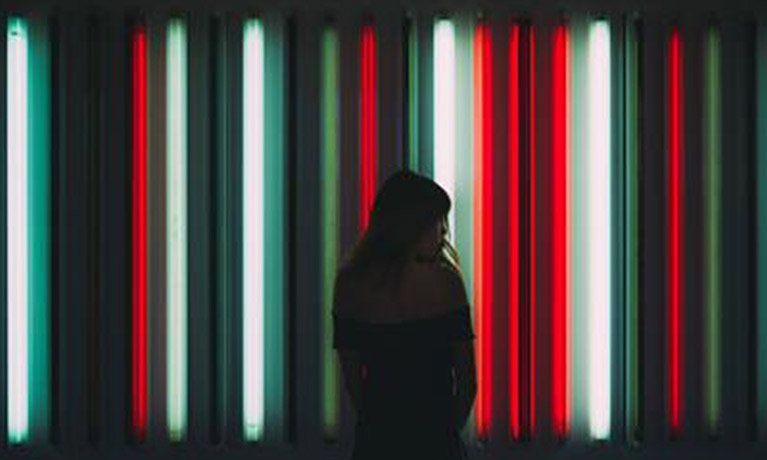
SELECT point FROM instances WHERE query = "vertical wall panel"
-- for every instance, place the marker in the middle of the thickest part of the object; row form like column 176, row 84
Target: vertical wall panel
column 201, row 347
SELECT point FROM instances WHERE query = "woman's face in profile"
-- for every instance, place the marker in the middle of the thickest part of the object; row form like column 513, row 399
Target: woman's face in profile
column 431, row 241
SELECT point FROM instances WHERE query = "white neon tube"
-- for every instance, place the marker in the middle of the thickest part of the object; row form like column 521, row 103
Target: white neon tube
column 444, row 111
column 253, row 229
column 599, row 253
column 18, row 234
column 176, row 214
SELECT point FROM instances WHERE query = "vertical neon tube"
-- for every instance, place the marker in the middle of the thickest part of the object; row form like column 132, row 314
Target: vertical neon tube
column 368, row 123
column 444, row 110
column 532, row 229
column 412, row 96
column 139, row 248
column 483, row 220
column 633, row 193
column 514, row 236
column 713, row 167
column 18, row 231
column 253, row 229
column 599, row 167
column 675, row 231
column 560, row 172
column 176, row 93
column 329, row 133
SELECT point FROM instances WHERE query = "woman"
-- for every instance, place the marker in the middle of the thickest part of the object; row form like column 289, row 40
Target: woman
column 402, row 328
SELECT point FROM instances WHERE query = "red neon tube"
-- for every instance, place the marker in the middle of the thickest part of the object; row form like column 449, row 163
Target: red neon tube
column 139, row 210
column 675, row 230
column 532, row 231
column 514, row 236
column 560, row 381
column 483, row 220
column 368, row 124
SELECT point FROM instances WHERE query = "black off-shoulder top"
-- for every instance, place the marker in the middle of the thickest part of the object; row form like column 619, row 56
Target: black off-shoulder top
column 407, row 408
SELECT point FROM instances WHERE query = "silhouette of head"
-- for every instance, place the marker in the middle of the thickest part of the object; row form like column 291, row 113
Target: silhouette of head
column 408, row 218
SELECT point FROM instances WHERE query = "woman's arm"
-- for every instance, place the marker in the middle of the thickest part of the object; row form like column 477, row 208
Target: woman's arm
column 352, row 372
column 465, row 381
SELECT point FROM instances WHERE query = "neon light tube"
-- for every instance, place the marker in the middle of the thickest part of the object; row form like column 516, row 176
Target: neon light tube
column 560, row 172
column 330, row 153
column 412, row 95
column 633, row 211
column 483, row 221
column 444, row 110
column 531, row 246
column 515, row 424
column 253, row 229
column 18, row 232
column 368, row 123
column 140, row 229
column 713, row 162
column 675, row 231
column 599, row 167
column 176, row 145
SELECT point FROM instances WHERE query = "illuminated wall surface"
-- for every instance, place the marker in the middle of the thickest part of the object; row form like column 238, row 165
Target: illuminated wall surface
column 179, row 189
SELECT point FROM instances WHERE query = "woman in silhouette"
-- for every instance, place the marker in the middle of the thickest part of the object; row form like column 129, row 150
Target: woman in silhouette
column 402, row 328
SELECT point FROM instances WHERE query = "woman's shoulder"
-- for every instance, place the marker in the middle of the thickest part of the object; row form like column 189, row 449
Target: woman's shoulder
column 439, row 287
column 452, row 286
column 343, row 291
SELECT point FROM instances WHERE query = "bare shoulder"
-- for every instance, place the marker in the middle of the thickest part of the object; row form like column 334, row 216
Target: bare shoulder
column 448, row 291
column 454, row 286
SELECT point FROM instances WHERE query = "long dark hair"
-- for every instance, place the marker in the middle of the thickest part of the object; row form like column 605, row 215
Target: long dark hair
column 407, row 205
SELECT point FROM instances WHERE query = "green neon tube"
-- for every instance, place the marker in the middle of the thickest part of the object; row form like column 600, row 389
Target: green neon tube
column 275, row 229
column 38, row 188
column 713, row 167
column 176, row 214
column 579, row 204
column 413, row 91
column 329, row 133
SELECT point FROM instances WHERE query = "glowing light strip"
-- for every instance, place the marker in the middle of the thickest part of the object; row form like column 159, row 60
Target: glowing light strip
column 483, row 221
column 176, row 93
column 515, row 424
column 675, row 231
column 140, row 221
column 412, row 96
column 330, row 219
column 713, row 318
column 599, row 166
column 560, row 172
column 253, row 229
column 531, row 246
column 368, row 123
column 444, row 110
column 18, row 231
